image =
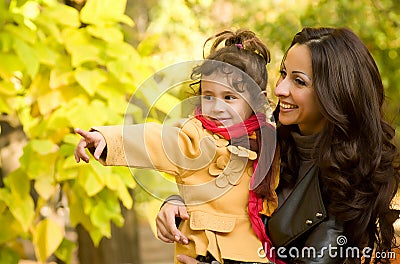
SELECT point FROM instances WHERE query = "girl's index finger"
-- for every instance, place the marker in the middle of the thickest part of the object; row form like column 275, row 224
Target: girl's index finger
column 82, row 132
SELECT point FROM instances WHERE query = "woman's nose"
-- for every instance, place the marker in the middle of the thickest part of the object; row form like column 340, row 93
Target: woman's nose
column 282, row 88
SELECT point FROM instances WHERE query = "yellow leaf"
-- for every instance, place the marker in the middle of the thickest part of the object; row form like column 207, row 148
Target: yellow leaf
column 14, row 63
column 44, row 188
column 90, row 79
column 82, row 46
column 91, row 182
column 109, row 34
column 169, row 104
column 47, row 236
column 28, row 56
column 49, row 101
column 105, row 12
column 43, row 146
column 23, row 210
column 63, row 14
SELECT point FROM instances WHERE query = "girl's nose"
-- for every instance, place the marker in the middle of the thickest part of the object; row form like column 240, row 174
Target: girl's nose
column 282, row 88
column 219, row 105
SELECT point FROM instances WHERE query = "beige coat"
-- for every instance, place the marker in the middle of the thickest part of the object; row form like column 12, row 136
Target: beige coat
column 213, row 178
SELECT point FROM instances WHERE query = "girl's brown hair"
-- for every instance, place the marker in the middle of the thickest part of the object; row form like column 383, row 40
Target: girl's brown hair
column 245, row 52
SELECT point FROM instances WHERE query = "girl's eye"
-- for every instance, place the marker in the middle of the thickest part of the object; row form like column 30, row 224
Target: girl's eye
column 207, row 97
column 230, row 97
column 300, row 81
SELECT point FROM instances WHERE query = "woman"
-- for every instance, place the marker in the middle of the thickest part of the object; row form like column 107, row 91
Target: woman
column 337, row 171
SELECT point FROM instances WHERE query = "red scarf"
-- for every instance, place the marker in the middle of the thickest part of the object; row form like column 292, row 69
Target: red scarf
column 255, row 204
column 237, row 130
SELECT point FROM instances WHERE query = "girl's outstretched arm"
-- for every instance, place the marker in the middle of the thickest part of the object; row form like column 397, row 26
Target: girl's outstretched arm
column 92, row 139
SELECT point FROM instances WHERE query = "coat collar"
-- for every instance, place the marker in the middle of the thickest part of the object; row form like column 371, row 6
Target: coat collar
column 302, row 210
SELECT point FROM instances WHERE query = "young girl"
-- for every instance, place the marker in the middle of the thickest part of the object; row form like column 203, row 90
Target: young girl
column 213, row 155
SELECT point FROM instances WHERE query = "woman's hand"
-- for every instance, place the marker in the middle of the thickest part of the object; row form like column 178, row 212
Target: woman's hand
column 93, row 139
column 165, row 222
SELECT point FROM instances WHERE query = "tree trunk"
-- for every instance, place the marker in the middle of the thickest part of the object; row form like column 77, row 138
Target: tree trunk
column 123, row 247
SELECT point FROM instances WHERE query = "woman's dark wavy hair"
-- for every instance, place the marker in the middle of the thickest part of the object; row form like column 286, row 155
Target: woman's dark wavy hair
column 355, row 153
column 241, row 49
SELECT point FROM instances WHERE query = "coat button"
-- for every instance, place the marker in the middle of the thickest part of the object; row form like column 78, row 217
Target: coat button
column 319, row 215
column 309, row 222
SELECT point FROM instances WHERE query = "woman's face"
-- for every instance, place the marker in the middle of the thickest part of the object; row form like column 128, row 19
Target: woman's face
column 297, row 100
column 223, row 104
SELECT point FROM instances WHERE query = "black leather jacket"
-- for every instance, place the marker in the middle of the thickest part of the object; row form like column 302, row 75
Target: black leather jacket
column 301, row 229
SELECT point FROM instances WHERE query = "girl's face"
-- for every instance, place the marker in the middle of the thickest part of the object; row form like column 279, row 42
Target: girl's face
column 221, row 104
column 297, row 100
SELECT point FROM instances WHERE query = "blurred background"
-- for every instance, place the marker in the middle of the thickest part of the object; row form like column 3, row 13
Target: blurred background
column 68, row 64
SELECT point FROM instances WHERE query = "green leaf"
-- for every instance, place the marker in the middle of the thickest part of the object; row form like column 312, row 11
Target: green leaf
column 77, row 197
column 7, row 88
column 49, row 101
column 28, row 56
column 116, row 99
column 101, row 217
column 43, row 146
column 48, row 28
column 149, row 44
column 47, row 236
column 72, row 139
column 91, row 182
column 45, row 187
column 59, row 121
column 125, row 197
column 169, row 105
column 63, row 15
column 23, row 210
column 61, row 77
column 107, row 33
column 8, row 256
column 4, row 107
column 105, row 12
column 90, row 79
column 19, row 183
column 125, row 175
column 115, row 183
column 82, row 47
column 68, row 169
column 122, row 50
column 65, row 251
column 78, row 111
column 6, row 42
column 45, row 54
column 21, row 32
column 14, row 64
column 13, row 228
column 96, row 236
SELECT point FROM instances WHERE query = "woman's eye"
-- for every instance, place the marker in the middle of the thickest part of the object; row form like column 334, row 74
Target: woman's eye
column 300, row 81
column 207, row 97
column 282, row 73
